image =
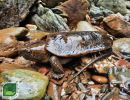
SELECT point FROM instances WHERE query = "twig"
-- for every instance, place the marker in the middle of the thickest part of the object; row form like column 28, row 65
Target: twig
column 91, row 63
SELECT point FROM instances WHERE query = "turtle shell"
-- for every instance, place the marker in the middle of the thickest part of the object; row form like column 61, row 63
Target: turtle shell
column 75, row 44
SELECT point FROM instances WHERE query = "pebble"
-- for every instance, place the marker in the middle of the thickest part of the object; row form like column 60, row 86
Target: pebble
column 82, row 87
column 31, row 27
column 90, row 82
column 84, row 26
column 100, row 79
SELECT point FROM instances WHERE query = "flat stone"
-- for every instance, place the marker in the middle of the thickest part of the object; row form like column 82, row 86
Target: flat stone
column 117, row 26
column 13, row 31
column 30, row 84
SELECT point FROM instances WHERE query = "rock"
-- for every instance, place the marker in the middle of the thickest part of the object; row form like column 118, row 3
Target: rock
column 123, row 63
column 31, row 27
column 72, row 8
column 46, row 20
column 103, row 66
column 18, row 32
column 12, row 12
column 122, row 47
column 99, row 79
column 82, row 87
column 120, row 75
column 117, row 26
column 106, row 12
column 93, row 1
column 8, row 41
column 95, row 11
column 84, row 26
column 37, row 35
column 114, row 5
column 112, row 95
column 82, row 96
column 53, row 91
column 30, row 84
column 127, row 4
column 127, row 17
column 8, row 45
column 52, row 3
column 12, row 66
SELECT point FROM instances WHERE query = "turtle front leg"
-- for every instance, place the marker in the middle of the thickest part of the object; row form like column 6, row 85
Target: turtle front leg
column 57, row 69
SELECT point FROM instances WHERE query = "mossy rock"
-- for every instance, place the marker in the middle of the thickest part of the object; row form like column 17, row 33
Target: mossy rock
column 29, row 84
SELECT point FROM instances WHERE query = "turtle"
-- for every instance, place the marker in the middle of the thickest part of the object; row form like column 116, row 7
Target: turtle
column 60, row 48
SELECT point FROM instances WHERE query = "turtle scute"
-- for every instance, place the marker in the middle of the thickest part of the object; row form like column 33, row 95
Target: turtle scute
column 74, row 44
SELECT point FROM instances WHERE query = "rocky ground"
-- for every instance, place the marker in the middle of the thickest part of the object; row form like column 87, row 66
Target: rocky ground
column 66, row 49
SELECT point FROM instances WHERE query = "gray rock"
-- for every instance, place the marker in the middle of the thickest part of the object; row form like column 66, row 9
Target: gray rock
column 114, row 5
column 106, row 12
column 12, row 12
column 127, row 17
column 127, row 4
column 96, row 12
column 93, row 1
column 46, row 20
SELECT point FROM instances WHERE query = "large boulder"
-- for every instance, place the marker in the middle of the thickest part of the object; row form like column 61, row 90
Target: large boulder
column 12, row 12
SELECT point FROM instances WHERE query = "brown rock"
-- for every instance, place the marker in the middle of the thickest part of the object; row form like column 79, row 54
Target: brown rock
column 37, row 35
column 53, row 91
column 8, row 50
column 14, row 31
column 116, row 26
column 99, row 79
column 74, row 10
column 12, row 66
column 8, row 42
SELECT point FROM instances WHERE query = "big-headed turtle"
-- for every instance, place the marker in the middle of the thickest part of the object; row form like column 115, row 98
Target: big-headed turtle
column 65, row 45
